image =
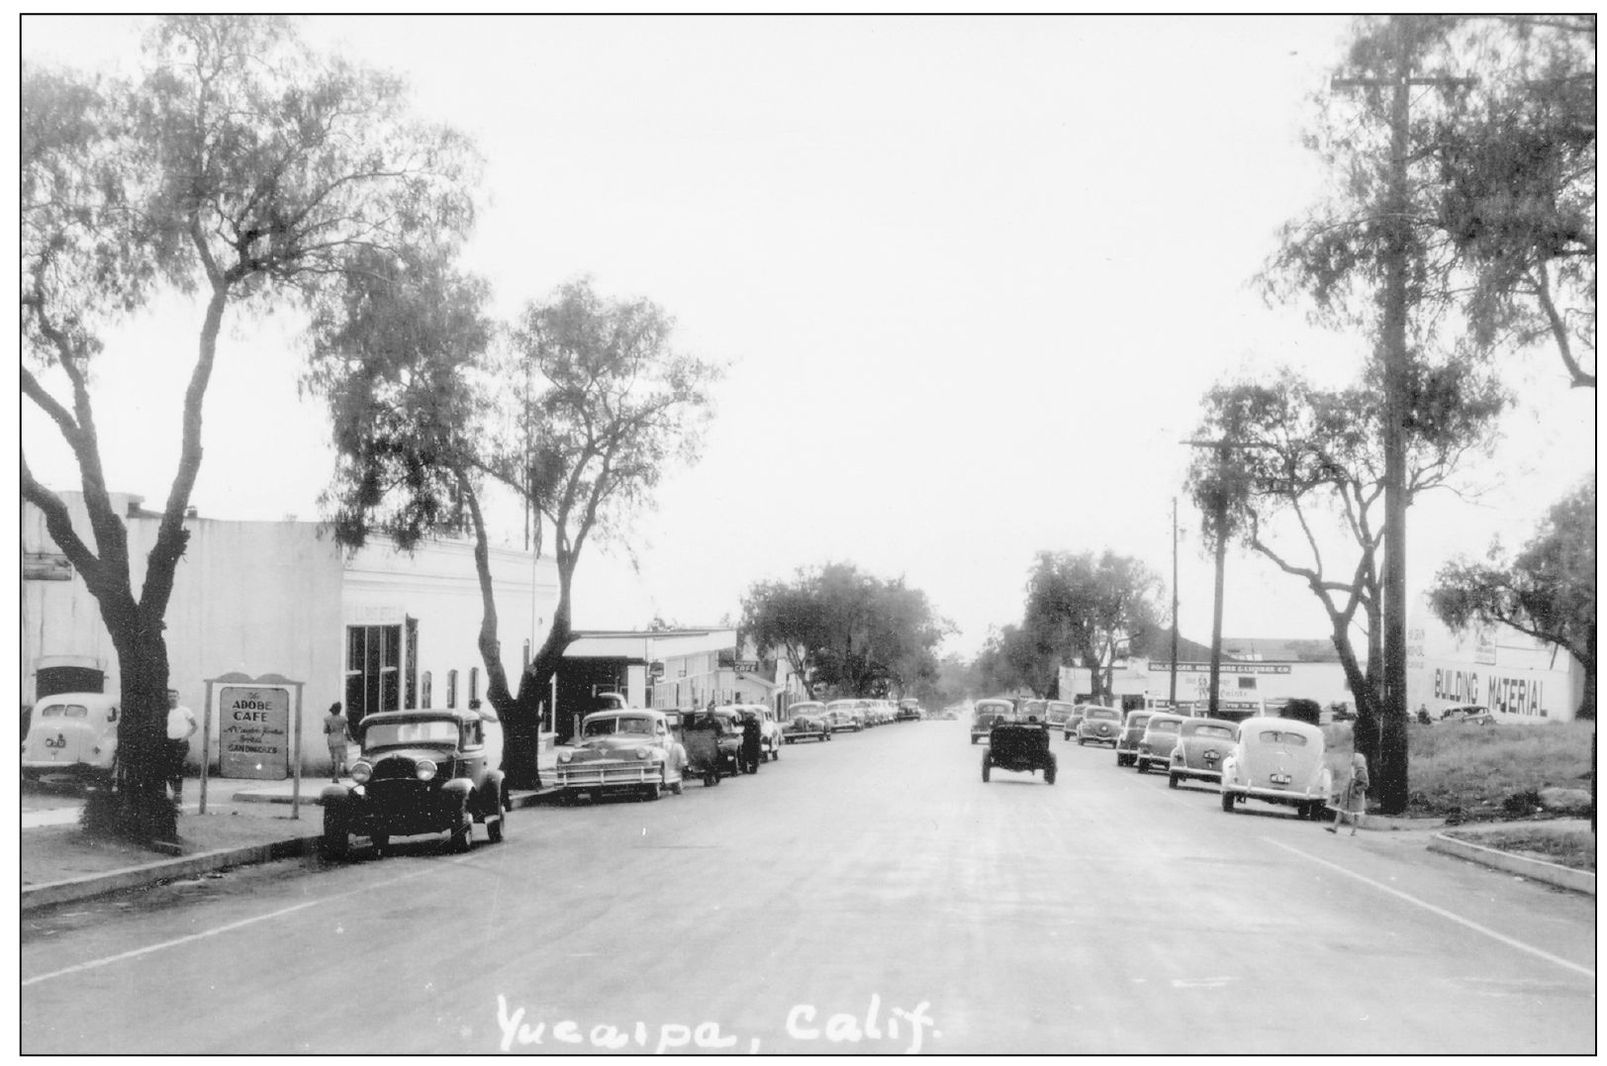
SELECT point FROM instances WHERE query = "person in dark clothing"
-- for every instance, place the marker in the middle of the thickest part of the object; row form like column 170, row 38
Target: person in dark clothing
column 750, row 743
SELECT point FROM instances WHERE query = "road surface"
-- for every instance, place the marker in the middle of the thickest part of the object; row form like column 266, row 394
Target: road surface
column 868, row 895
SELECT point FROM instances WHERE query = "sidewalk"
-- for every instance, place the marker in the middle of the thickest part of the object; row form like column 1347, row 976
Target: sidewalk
column 246, row 821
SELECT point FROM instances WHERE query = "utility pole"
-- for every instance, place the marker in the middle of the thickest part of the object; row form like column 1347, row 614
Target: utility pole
column 1172, row 697
column 1391, row 773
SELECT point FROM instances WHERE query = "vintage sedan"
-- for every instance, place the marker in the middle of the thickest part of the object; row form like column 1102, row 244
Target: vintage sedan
column 72, row 735
column 1155, row 746
column 1074, row 719
column 1020, row 744
column 806, row 720
column 421, row 771
column 1132, row 732
column 1059, row 713
column 909, row 710
column 984, row 713
column 770, row 738
column 1099, row 725
column 1278, row 760
column 630, row 751
column 1202, row 744
column 846, row 715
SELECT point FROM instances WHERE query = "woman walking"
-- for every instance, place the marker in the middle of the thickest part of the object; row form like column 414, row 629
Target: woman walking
column 1353, row 802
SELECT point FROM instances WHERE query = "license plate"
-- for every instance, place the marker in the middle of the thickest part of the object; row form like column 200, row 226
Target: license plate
column 1280, row 779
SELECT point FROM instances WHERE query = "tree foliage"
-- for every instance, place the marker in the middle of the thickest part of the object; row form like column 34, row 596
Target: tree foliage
column 1013, row 659
column 240, row 169
column 1547, row 591
column 1084, row 608
column 846, row 632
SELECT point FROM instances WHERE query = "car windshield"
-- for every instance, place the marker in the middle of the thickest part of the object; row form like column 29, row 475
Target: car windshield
column 1060, row 708
column 1221, row 731
column 602, row 727
column 387, row 734
column 1280, row 736
column 807, row 708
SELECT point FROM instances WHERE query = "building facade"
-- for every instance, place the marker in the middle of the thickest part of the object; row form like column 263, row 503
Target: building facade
column 1255, row 685
column 1519, row 678
column 375, row 630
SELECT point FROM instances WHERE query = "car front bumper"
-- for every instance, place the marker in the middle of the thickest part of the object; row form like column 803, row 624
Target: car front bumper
column 592, row 775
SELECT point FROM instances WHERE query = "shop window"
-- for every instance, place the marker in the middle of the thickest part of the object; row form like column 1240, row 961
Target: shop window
column 1247, row 682
column 373, row 670
column 451, row 689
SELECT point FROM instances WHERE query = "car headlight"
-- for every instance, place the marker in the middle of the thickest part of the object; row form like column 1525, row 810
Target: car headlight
column 641, row 753
column 425, row 770
column 565, row 756
column 361, row 771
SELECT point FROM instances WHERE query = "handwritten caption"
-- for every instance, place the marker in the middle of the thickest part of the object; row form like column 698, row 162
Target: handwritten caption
column 805, row 1023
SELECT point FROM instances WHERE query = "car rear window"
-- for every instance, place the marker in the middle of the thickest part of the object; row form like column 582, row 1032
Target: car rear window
column 1165, row 727
column 1214, row 731
column 1278, row 736
column 1102, row 714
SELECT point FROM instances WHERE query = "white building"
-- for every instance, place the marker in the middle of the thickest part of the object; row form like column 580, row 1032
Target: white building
column 1517, row 677
column 1242, row 686
column 375, row 630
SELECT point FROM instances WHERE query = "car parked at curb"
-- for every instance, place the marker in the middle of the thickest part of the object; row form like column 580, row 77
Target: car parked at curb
column 770, row 739
column 984, row 713
column 1099, row 725
column 420, row 771
column 72, row 734
column 1202, row 745
column 909, row 710
column 1472, row 714
column 1155, row 746
column 1074, row 719
column 630, row 750
column 847, row 715
column 1278, row 760
column 1131, row 733
column 806, row 720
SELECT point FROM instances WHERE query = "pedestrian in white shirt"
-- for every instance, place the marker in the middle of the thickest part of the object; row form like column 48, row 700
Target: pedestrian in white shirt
column 181, row 726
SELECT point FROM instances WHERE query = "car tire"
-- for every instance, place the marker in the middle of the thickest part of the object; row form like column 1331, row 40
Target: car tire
column 493, row 828
column 337, row 840
column 986, row 766
column 381, row 843
column 651, row 793
column 1143, row 767
column 1049, row 774
column 1082, row 742
column 1171, row 780
column 677, row 788
column 462, row 832
column 1227, row 802
column 973, row 738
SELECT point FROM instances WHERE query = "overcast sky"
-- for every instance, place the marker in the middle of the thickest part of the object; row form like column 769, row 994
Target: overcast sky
column 971, row 278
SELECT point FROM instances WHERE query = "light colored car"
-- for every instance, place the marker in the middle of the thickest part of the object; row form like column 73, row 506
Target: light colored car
column 72, row 733
column 1473, row 714
column 1155, row 746
column 1132, row 732
column 806, row 720
column 909, row 710
column 1033, row 709
column 629, row 750
column 1202, row 745
column 1099, row 725
column 846, row 715
column 1278, row 760
column 985, row 712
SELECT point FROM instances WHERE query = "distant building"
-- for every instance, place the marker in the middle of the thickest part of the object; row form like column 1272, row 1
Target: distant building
column 376, row 630
column 1516, row 676
column 1256, row 685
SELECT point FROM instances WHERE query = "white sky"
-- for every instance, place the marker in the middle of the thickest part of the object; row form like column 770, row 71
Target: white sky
column 972, row 277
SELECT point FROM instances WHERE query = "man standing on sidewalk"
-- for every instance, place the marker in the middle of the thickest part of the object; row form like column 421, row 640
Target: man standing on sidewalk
column 181, row 726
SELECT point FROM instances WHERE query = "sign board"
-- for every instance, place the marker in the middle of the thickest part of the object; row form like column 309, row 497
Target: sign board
column 254, row 731
column 745, row 666
column 655, row 669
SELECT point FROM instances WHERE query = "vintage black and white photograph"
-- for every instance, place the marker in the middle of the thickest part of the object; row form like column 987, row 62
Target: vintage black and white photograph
column 1114, row 496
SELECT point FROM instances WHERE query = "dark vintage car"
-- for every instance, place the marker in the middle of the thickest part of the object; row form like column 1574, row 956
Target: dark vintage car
column 1059, row 712
column 1202, row 744
column 1131, row 733
column 1021, row 745
column 1155, row 746
column 420, row 772
column 806, row 721
column 1099, row 725
column 984, row 713
column 713, row 742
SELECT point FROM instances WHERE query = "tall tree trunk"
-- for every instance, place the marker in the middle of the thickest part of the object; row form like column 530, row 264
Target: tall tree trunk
column 522, row 729
column 137, row 808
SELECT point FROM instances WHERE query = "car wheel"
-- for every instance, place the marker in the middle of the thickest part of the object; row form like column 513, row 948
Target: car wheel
column 710, row 779
column 1143, row 767
column 1049, row 774
column 826, row 737
column 677, row 788
column 1227, row 802
column 651, row 793
column 986, row 765
column 973, row 738
column 462, row 831
column 493, row 828
column 1068, row 736
column 337, row 840
column 1082, row 742
column 1171, row 780
column 381, row 842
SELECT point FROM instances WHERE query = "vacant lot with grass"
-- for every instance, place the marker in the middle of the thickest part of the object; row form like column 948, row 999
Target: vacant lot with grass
column 1483, row 773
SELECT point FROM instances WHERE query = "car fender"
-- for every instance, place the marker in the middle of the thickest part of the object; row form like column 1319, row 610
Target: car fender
column 461, row 787
column 1230, row 772
column 334, row 796
column 490, row 793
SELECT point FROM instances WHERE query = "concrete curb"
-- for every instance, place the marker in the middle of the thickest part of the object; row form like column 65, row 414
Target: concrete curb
column 1534, row 869
column 518, row 798
column 36, row 896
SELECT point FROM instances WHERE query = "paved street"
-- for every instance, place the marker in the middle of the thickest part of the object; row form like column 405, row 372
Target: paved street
column 867, row 895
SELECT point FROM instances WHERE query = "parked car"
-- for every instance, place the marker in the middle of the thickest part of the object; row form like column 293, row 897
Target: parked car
column 1132, row 732
column 806, row 720
column 1021, row 744
column 72, row 734
column 846, row 715
column 910, row 711
column 984, row 713
column 1202, row 744
column 1058, row 713
column 1074, row 719
column 1472, row 714
column 630, row 750
column 1099, row 725
column 1277, row 760
column 421, row 771
column 713, row 743
column 1155, row 746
